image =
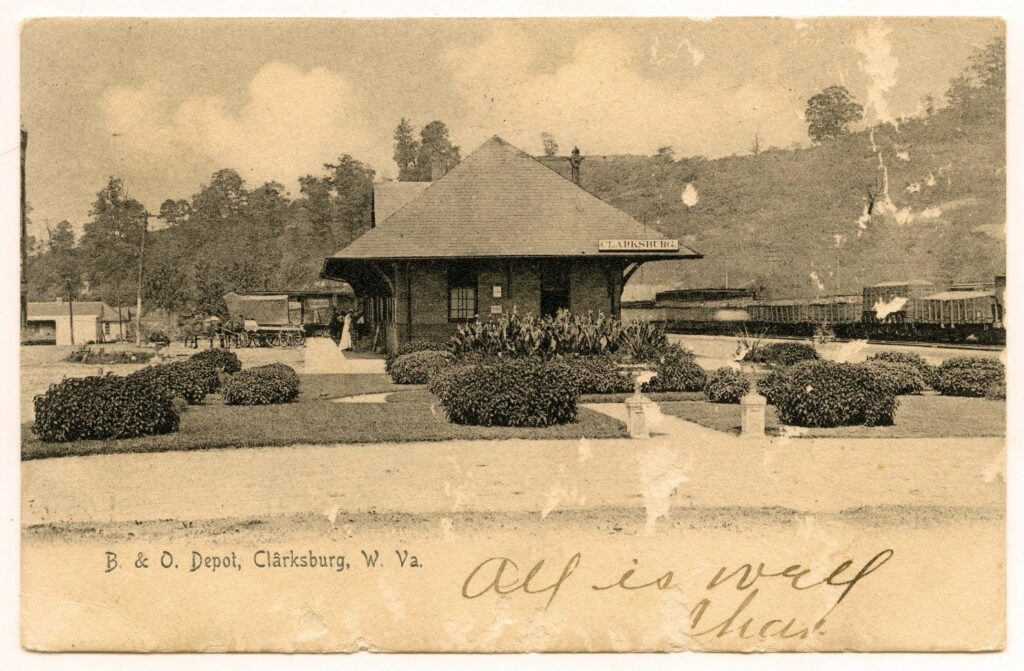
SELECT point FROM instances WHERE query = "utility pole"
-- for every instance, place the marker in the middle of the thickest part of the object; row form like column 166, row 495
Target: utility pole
column 24, row 236
column 71, row 310
column 138, row 299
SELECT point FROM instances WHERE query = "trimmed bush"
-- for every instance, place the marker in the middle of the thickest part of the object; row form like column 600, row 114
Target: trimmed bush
column 417, row 346
column 677, row 371
column 969, row 376
column 262, row 385
column 726, row 385
column 419, row 367
column 924, row 369
column 507, row 392
column 191, row 380
column 771, row 385
column 103, row 407
column 596, row 374
column 824, row 393
column 903, row 378
column 222, row 360
column 782, row 353
column 996, row 391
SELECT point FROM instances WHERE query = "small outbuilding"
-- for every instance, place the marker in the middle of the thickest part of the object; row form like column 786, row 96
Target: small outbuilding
column 500, row 232
column 75, row 323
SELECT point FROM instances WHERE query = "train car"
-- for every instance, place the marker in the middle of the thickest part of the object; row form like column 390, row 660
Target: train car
column 890, row 302
column 836, row 309
column 954, row 308
column 785, row 311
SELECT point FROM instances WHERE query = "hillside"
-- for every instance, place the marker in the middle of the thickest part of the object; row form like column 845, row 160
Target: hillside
column 797, row 222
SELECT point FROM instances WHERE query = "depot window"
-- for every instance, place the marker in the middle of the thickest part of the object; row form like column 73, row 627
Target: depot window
column 462, row 294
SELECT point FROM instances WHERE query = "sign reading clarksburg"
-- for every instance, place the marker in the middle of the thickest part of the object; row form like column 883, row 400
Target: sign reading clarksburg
column 650, row 245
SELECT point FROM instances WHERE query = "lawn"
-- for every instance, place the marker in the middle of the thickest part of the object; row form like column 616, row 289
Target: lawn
column 409, row 415
column 926, row 416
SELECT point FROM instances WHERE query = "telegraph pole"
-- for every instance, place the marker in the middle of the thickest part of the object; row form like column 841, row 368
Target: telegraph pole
column 24, row 236
column 138, row 299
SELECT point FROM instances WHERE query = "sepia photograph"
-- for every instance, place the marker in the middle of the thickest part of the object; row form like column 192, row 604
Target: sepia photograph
column 604, row 334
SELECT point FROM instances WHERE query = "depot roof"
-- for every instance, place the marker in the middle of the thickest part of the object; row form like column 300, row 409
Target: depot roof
column 501, row 202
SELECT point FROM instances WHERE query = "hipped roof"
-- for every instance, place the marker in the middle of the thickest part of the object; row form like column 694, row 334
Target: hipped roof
column 501, row 202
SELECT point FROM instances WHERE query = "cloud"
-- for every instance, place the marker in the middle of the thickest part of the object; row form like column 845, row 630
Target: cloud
column 604, row 101
column 289, row 123
column 879, row 65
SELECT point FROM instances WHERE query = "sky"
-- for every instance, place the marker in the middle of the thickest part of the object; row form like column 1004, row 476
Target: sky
column 163, row 103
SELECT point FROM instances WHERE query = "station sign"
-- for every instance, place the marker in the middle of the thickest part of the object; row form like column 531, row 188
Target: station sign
column 638, row 245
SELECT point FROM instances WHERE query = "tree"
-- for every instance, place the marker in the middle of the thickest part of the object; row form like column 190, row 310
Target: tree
column 175, row 212
column 435, row 147
column 406, row 150
column 666, row 153
column 981, row 88
column 550, row 146
column 830, row 112
column 63, row 265
column 111, row 242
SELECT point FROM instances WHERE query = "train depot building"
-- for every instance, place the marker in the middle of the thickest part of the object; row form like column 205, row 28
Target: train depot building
column 501, row 232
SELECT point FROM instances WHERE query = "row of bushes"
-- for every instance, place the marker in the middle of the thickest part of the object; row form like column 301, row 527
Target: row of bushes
column 149, row 401
column 781, row 353
column 563, row 335
column 957, row 376
column 101, row 356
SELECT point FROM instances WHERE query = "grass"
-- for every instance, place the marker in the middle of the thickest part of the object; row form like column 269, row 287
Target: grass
column 410, row 415
column 926, row 416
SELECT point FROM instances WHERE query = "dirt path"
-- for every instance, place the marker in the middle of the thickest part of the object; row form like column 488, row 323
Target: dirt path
column 322, row 356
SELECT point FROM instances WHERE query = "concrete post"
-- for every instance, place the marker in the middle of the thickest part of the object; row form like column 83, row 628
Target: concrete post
column 637, row 409
column 752, row 409
column 638, row 406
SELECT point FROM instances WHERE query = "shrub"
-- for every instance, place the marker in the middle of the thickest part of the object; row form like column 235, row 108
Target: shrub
column 969, row 376
column 565, row 334
column 596, row 374
column 924, row 369
column 997, row 390
column 222, row 360
column 507, row 392
column 262, row 385
column 782, row 353
column 677, row 371
column 641, row 341
column 726, row 385
column 419, row 367
column 100, row 356
column 417, row 346
column 771, row 385
column 103, row 407
column 903, row 378
column 191, row 380
column 824, row 393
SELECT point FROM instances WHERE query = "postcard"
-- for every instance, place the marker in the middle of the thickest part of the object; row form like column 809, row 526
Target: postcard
column 513, row 335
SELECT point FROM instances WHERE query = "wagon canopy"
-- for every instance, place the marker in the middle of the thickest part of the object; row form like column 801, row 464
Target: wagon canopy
column 264, row 310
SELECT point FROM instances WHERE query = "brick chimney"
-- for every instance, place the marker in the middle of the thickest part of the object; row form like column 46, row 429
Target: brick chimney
column 574, row 161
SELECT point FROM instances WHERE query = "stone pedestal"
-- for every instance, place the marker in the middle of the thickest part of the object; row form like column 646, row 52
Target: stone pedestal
column 752, row 409
column 638, row 410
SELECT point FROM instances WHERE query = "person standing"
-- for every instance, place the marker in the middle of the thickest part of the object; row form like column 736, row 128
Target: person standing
column 345, row 343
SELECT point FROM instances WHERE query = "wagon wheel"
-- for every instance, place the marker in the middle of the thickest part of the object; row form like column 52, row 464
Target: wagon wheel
column 275, row 339
column 293, row 339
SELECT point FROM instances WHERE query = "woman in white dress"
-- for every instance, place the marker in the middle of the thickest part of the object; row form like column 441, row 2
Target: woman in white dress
column 345, row 343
